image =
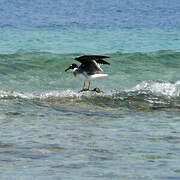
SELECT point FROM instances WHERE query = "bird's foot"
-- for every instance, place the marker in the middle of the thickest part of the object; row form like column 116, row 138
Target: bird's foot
column 85, row 89
column 97, row 90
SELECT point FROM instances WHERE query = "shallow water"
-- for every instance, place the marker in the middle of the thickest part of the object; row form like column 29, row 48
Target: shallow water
column 87, row 41
column 64, row 135
column 49, row 130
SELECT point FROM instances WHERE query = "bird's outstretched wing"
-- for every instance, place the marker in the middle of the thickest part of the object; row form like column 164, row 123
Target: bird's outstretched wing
column 87, row 58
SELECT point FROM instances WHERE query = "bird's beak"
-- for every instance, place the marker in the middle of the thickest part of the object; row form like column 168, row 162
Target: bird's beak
column 68, row 68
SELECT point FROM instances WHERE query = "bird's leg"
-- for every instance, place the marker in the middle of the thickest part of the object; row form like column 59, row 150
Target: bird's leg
column 84, row 84
column 84, row 89
column 89, row 85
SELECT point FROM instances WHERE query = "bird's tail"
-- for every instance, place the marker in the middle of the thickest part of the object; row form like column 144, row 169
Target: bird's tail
column 94, row 76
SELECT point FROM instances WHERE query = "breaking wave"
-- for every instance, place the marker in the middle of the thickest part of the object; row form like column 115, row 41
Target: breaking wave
column 146, row 95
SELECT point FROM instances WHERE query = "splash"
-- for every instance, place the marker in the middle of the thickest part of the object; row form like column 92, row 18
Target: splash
column 41, row 96
column 146, row 95
column 156, row 94
column 159, row 88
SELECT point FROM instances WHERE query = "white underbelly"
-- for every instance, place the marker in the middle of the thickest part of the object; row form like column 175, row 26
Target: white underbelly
column 89, row 77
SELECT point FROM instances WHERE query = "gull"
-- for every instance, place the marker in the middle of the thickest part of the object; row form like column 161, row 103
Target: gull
column 89, row 69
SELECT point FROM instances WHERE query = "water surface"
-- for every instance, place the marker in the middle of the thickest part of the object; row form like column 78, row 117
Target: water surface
column 49, row 130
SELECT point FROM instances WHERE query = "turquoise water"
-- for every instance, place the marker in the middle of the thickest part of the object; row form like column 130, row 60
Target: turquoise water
column 87, row 41
column 50, row 130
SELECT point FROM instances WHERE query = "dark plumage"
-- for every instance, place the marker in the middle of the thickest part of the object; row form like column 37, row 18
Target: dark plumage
column 89, row 69
column 87, row 58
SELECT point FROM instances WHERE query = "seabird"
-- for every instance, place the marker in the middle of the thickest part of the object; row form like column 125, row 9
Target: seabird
column 89, row 69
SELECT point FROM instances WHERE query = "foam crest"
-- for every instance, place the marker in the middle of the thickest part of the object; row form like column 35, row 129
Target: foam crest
column 58, row 94
column 42, row 96
column 151, row 94
column 14, row 95
column 158, row 88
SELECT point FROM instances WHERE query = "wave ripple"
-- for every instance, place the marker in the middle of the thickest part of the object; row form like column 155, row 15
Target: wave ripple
column 146, row 95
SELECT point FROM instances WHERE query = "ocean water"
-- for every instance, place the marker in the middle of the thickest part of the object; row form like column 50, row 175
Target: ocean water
column 50, row 130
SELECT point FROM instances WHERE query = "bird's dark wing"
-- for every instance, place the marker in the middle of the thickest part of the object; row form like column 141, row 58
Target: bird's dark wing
column 86, row 58
column 92, row 67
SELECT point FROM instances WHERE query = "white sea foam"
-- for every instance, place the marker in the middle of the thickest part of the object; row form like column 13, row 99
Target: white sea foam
column 43, row 95
column 158, row 88
column 59, row 94
column 154, row 92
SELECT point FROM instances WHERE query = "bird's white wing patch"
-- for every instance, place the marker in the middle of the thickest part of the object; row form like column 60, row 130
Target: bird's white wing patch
column 95, row 76
column 97, row 65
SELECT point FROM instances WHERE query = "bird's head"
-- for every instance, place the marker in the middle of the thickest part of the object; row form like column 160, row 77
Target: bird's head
column 72, row 66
